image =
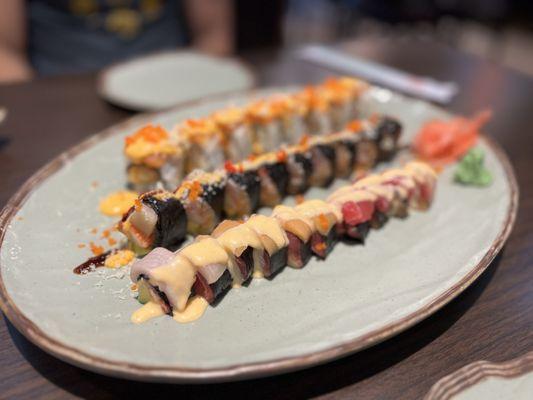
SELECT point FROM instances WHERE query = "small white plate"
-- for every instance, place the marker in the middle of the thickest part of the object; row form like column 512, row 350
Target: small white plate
column 162, row 80
column 359, row 296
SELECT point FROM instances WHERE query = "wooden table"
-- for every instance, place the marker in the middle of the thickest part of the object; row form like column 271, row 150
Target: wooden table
column 491, row 320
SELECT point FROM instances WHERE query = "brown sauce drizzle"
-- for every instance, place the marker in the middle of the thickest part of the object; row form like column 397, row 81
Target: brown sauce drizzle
column 93, row 262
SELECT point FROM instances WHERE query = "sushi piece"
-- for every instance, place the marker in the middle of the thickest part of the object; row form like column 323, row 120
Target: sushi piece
column 387, row 133
column 154, row 155
column 266, row 125
column 274, row 241
column 158, row 219
column 425, row 178
column 324, row 218
column 244, row 249
column 273, row 175
column 243, row 188
column 299, row 168
column 204, row 141
column 202, row 196
column 323, row 162
column 291, row 114
column 165, row 278
column 356, row 207
column 211, row 262
column 344, row 144
column 342, row 94
column 299, row 230
column 387, row 204
column 237, row 133
column 317, row 119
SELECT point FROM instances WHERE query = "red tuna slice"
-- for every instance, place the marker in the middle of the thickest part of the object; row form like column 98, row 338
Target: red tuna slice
column 355, row 213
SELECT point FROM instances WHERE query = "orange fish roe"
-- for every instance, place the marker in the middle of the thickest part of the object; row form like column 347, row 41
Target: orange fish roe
column 230, row 167
column 81, row 246
column 134, row 287
column 323, row 221
column 111, row 241
column 194, row 187
column 304, row 140
column 281, row 155
column 149, row 133
column 321, row 246
column 94, row 231
column 137, row 205
column 252, row 157
column 96, row 250
column 106, row 233
column 299, row 199
column 356, row 125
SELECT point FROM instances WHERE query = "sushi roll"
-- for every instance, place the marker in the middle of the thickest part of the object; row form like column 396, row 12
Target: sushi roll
column 165, row 278
column 291, row 113
column 265, row 121
column 343, row 94
column 387, row 131
column 204, row 142
column 274, row 241
column 323, row 162
column 244, row 249
column 317, row 119
column 202, row 196
column 386, row 199
column 157, row 219
column 299, row 230
column 211, row 262
column 324, row 218
column 154, row 155
column 299, row 168
column 243, row 188
column 237, row 133
column 356, row 207
column 273, row 175
column 425, row 178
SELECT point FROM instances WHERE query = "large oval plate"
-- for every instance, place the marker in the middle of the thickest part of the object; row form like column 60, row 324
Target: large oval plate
column 361, row 295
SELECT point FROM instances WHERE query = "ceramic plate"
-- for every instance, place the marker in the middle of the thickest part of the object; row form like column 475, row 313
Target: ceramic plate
column 163, row 80
column 360, row 296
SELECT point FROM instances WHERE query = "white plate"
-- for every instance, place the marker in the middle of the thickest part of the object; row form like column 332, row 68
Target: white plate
column 162, row 80
column 361, row 295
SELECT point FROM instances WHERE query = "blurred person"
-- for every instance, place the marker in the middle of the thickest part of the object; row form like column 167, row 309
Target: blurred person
column 48, row 37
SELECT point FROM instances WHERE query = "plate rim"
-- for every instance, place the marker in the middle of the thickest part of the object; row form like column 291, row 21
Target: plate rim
column 240, row 371
column 103, row 76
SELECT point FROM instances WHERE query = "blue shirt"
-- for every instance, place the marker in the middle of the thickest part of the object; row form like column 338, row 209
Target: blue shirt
column 67, row 36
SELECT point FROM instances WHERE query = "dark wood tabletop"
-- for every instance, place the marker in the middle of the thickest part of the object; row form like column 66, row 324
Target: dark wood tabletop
column 492, row 320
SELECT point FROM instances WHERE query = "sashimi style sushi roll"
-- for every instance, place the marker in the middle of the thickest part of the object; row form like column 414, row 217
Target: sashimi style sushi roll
column 274, row 241
column 386, row 197
column 237, row 133
column 273, row 175
column 299, row 230
column 266, row 125
column 357, row 208
column 154, row 155
column 202, row 196
column 204, row 140
column 157, row 219
column 244, row 248
column 324, row 218
column 243, row 188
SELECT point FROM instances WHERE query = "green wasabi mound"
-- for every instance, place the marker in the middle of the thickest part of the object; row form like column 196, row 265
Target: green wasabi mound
column 471, row 170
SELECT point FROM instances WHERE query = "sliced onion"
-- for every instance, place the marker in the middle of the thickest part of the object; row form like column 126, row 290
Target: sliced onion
column 144, row 220
column 212, row 272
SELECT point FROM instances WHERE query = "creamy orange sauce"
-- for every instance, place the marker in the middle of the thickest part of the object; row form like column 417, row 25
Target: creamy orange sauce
column 194, row 310
column 146, row 312
column 117, row 203
column 119, row 259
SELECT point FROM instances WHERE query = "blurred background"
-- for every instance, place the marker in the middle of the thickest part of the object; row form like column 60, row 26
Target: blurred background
column 51, row 37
